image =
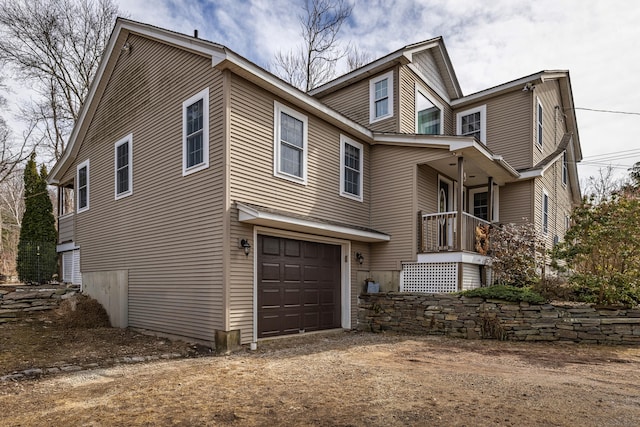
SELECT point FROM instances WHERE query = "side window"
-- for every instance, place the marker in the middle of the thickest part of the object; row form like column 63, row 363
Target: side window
column 545, row 212
column 428, row 114
column 539, row 115
column 290, row 144
column 124, row 167
column 381, row 97
column 195, row 133
column 351, row 153
column 82, row 182
column 473, row 122
column 565, row 169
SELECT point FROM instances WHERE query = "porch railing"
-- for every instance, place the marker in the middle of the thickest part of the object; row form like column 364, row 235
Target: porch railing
column 439, row 233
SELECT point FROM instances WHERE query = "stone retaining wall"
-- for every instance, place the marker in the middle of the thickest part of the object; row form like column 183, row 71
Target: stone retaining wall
column 22, row 301
column 464, row 317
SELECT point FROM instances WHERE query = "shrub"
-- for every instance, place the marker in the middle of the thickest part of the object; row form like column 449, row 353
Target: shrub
column 517, row 254
column 81, row 311
column 507, row 293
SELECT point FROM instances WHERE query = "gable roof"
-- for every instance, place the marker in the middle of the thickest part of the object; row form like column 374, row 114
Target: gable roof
column 221, row 58
column 403, row 56
column 566, row 94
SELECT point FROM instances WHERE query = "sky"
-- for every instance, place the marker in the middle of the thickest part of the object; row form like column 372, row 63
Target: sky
column 490, row 42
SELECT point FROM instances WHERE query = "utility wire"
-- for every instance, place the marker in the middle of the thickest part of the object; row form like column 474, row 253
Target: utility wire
column 607, row 111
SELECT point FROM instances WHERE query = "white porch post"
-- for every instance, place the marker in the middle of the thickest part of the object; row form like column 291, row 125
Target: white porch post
column 460, row 232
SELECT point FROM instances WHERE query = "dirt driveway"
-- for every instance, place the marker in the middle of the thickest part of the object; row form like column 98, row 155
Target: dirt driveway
column 348, row 379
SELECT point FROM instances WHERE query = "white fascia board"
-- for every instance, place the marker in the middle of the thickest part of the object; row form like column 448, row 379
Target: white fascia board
column 269, row 219
column 535, row 173
column 369, row 69
column 494, row 90
column 65, row 247
column 433, row 141
column 294, row 95
column 458, row 257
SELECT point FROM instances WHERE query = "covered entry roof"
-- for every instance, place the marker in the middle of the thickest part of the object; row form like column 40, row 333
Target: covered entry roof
column 258, row 215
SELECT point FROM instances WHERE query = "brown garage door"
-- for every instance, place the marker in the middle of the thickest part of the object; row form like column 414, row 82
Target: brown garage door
column 298, row 286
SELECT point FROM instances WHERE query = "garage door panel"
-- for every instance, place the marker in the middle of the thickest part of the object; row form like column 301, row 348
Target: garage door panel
column 292, row 273
column 291, row 248
column 270, row 272
column 270, row 245
column 298, row 286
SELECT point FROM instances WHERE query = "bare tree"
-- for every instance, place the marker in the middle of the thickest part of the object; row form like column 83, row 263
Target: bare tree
column 356, row 58
column 601, row 187
column 314, row 62
column 55, row 47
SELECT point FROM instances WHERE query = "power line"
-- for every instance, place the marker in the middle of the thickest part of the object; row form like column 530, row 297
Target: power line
column 630, row 152
column 607, row 111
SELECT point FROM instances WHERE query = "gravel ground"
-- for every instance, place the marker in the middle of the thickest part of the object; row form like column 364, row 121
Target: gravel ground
column 348, row 379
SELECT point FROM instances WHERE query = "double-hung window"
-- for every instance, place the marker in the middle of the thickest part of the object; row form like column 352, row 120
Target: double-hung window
column 565, row 169
column 428, row 115
column 473, row 122
column 545, row 212
column 82, row 182
column 290, row 145
column 540, row 127
column 351, row 153
column 195, row 133
column 124, row 167
column 381, row 97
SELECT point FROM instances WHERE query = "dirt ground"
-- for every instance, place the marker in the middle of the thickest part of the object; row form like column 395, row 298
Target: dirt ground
column 345, row 379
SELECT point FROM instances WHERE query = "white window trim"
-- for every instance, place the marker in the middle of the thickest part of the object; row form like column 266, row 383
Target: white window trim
column 483, row 121
column 564, row 171
column 277, row 109
column 77, row 190
column 539, row 124
column 496, row 201
column 545, row 194
column 204, row 95
column 372, row 96
column 426, row 94
column 126, row 140
column 346, row 140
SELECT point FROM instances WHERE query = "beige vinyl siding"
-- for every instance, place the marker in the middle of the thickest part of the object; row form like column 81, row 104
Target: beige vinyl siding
column 357, row 286
column 425, row 62
column 252, row 181
column 553, row 121
column 241, row 280
column 407, row 113
column 167, row 234
column 516, row 202
column 65, row 228
column 509, row 124
column 353, row 102
column 394, row 205
column 559, row 202
column 251, row 163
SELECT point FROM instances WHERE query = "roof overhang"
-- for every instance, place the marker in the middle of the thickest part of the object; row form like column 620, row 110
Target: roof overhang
column 460, row 146
column 221, row 58
column 268, row 218
column 401, row 56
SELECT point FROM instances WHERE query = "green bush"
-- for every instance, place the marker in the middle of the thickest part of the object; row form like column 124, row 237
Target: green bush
column 506, row 293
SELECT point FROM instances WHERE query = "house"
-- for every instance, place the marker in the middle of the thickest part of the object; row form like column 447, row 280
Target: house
column 215, row 202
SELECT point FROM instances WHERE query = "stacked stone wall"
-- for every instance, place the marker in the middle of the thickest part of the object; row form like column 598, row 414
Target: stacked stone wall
column 474, row 318
column 22, row 301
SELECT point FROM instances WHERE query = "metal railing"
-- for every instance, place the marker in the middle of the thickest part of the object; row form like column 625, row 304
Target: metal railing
column 439, row 233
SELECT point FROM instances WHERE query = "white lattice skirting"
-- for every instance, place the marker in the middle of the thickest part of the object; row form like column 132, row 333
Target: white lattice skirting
column 429, row 278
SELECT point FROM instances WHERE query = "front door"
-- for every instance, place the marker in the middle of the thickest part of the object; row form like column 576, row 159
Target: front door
column 445, row 230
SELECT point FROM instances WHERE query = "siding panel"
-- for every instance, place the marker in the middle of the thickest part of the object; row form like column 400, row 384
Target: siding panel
column 165, row 234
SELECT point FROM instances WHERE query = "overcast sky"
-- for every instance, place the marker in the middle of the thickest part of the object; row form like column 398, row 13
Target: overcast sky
column 489, row 41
